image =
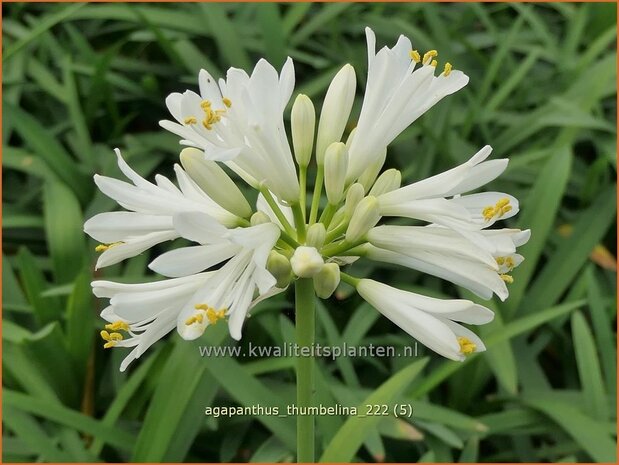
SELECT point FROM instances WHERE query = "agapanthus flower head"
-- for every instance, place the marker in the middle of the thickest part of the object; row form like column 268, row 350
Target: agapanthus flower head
column 241, row 255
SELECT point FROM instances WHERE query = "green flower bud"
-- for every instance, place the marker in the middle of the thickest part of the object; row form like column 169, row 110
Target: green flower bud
column 354, row 195
column 306, row 262
column 336, row 162
column 389, row 181
column 327, row 280
column 335, row 110
column 316, row 234
column 279, row 266
column 368, row 177
column 364, row 218
column 213, row 180
column 303, row 124
column 259, row 218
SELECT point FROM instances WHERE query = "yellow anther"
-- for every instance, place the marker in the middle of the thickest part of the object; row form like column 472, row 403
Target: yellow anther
column 204, row 307
column 507, row 278
column 111, row 338
column 414, row 54
column 467, row 347
column 428, row 56
column 227, row 102
column 498, row 210
column 190, row 120
column 205, row 104
column 509, row 263
column 447, row 69
column 215, row 315
column 434, row 63
column 104, row 247
column 502, row 202
column 118, row 325
column 500, row 260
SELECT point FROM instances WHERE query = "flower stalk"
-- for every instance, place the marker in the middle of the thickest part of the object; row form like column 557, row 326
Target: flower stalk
column 305, row 312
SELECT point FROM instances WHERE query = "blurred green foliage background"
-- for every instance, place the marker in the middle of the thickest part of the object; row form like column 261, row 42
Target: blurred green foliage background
column 81, row 79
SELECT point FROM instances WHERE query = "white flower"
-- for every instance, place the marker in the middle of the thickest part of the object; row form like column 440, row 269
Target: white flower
column 192, row 302
column 401, row 87
column 240, row 121
column 240, row 255
column 426, row 200
column 482, row 266
column 149, row 221
column 430, row 321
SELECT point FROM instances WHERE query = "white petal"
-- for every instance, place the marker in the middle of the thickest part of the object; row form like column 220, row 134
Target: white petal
column 190, row 260
column 116, row 226
column 199, row 227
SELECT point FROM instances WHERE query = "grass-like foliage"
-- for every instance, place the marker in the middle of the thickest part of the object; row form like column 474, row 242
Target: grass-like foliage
column 81, row 79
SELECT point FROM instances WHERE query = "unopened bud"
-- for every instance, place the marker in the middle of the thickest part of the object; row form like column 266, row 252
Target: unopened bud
column 364, row 218
column 368, row 177
column 336, row 162
column 354, row 195
column 316, row 235
column 259, row 218
column 335, row 110
column 306, row 262
column 389, row 181
column 303, row 124
column 337, row 219
column 327, row 280
column 213, row 180
column 279, row 266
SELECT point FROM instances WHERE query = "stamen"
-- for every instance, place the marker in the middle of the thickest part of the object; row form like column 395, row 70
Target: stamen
column 447, row 69
column 434, row 63
column 498, row 210
column 190, row 120
column 211, row 314
column 205, row 104
column 414, row 54
column 507, row 278
column 118, row 326
column 104, row 247
column 428, row 56
column 111, row 338
column 467, row 347
column 227, row 102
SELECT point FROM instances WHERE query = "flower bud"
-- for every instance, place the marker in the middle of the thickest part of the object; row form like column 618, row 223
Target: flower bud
column 335, row 110
column 389, row 181
column 213, row 180
column 337, row 219
column 336, row 162
column 354, row 195
column 364, row 218
column 303, row 124
column 327, row 280
column 279, row 266
column 259, row 218
column 368, row 177
column 316, row 235
column 306, row 262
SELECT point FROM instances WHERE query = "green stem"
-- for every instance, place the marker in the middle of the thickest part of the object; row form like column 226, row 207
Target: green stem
column 305, row 332
column 303, row 189
column 349, row 279
column 299, row 221
column 338, row 231
column 327, row 214
column 278, row 213
column 334, row 250
column 316, row 195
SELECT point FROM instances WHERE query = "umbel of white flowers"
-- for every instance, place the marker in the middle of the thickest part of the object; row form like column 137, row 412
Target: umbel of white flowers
column 243, row 255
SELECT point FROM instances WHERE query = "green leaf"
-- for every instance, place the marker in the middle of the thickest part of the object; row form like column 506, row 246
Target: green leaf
column 351, row 435
column 587, row 432
column 63, row 226
column 589, row 369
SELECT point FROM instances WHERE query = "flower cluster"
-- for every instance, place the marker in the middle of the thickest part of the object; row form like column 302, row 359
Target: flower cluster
column 243, row 255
